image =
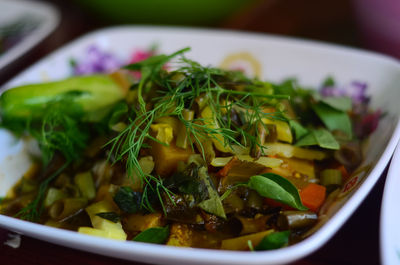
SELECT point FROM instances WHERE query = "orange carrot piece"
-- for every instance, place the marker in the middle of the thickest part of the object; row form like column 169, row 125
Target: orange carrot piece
column 223, row 172
column 345, row 174
column 313, row 196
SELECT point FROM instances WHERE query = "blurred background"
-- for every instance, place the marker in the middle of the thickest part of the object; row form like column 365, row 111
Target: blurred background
column 371, row 24
column 367, row 24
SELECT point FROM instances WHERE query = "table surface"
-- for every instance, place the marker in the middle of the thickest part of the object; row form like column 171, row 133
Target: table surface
column 357, row 242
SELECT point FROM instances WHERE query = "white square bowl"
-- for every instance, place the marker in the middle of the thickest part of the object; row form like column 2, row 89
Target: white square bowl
column 280, row 58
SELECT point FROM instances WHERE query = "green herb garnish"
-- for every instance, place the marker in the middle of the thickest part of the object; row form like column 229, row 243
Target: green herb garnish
column 155, row 235
column 111, row 216
column 128, row 200
column 274, row 241
column 275, row 187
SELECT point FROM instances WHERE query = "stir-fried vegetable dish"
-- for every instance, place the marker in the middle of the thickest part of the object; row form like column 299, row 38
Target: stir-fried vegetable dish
column 168, row 151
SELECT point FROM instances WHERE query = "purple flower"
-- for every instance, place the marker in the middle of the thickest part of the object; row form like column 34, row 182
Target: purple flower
column 331, row 91
column 356, row 90
column 96, row 61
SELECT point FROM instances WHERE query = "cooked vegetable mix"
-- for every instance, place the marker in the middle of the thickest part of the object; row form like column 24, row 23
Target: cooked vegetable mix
column 168, row 151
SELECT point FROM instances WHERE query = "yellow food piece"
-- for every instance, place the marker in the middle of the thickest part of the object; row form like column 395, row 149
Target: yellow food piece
column 147, row 165
column 180, row 236
column 289, row 151
column 284, row 133
column 166, row 158
column 164, row 132
column 216, row 138
column 241, row 243
column 265, row 161
column 171, row 121
column 141, row 222
column 111, row 229
column 101, row 233
column 100, row 207
column 85, row 183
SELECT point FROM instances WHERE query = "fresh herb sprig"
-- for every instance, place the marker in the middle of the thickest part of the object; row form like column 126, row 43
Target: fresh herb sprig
column 34, row 209
column 177, row 90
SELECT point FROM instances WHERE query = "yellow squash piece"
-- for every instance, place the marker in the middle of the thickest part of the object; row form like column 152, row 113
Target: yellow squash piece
column 163, row 131
column 217, row 139
column 284, row 133
column 289, row 151
column 110, row 229
column 166, row 158
column 265, row 161
column 140, row 222
column 241, row 243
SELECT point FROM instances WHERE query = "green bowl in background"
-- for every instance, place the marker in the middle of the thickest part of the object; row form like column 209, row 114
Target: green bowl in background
column 171, row 12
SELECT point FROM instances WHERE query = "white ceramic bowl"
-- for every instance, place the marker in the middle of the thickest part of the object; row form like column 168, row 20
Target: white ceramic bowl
column 279, row 58
column 390, row 214
column 46, row 15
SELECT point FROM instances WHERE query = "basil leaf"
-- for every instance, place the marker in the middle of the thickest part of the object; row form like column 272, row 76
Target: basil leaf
column 128, row 200
column 274, row 241
column 155, row 235
column 320, row 137
column 308, row 139
column 212, row 205
column 275, row 187
column 333, row 119
column 110, row 216
column 339, row 103
column 298, row 129
column 325, row 139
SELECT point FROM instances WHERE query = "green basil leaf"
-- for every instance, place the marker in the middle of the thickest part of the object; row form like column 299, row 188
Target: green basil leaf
column 325, row 139
column 298, row 129
column 110, row 216
column 339, row 103
column 212, row 205
column 274, row 241
column 275, row 187
column 128, row 200
column 333, row 119
column 155, row 235
column 308, row 139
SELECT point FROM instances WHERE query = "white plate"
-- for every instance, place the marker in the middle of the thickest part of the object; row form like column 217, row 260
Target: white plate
column 390, row 214
column 280, row 58
column 46, row 16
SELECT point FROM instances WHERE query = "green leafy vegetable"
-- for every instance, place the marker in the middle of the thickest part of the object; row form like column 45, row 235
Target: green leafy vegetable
column 333, row 119
column 325, row 139
column 111, row 216
column 339, row 103
column 298, row 129
column 275, row 187
column 94, row 94
column 155, row 235
column 320, row 137
column 128, row 200
column 307, row 140
column 274, row 241
column 213, row 204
